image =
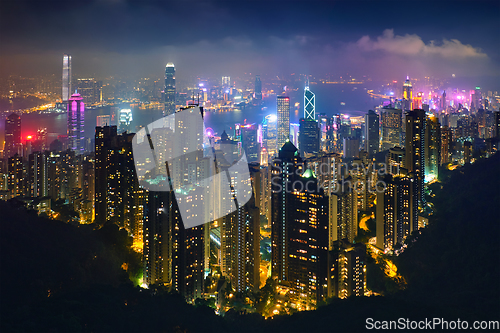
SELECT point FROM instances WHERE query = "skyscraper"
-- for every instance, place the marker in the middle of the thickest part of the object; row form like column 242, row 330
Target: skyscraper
column 66, row 78
column 76, row 124
column 283, row 113
column 157, row 226
column 12, row 135
column 118, row 197
column 169, row 89
column 395, row 215
column 415, row 152
column 307, row 233
column 372, row 128
column 432, row 148
column 258, row 88
column 308, row 136
column 391, row 121
column 407, row 95
column 250, row 143
column 286, row 169
column 309, row 103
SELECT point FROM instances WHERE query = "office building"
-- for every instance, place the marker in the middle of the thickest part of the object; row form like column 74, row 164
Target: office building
column 391, row 124
column 76, row 124
column 66, row 78
column 372, row 128
column 169, row 89
column 269, row 134
column 258, row 88
column 125, row 118
column 309, row 103
column 407, row 102
column 308, row 136
column 249, row 142
column 283, row 124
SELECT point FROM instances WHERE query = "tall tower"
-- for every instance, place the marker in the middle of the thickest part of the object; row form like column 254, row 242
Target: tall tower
column 391, row 128
column 432, row 148
column 415, row 153
column 283, row 111
column 12, row 135
column 118, row 197
column 169, row 89
column 258, row 88
column 76, row 122
column 407, row 95
column 66, row 78
column 372, row 127
column 286, row 170
column 309, row 103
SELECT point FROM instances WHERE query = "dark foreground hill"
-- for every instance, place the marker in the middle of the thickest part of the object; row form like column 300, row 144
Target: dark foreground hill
column 56, row 277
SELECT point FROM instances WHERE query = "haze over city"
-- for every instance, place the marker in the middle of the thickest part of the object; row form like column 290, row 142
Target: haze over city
column 249, row 166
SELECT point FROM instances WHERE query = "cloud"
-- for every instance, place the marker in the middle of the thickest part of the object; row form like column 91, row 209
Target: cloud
column 413, row 45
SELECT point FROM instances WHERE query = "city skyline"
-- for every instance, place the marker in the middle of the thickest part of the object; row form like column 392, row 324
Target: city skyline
column 222, row 166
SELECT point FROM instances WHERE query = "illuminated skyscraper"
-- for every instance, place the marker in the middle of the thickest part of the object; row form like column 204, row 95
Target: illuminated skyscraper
column 250, row 143
column 309, row 103
column 12, row 135
column 281, row 207
column 372, row 128
column 347, row 266
column 76, row 124
column 258, row 88
column 299, row 230
column 432, row 148
column 283, row 113
column 157, row 226
column 395, row 215
column 415, row 153
column 66, row 78
column 308, row 136
column 307, row 232
column 269, row 132
column 391, row 128
column 118, row 197
column 169, row 89
column 407, row 95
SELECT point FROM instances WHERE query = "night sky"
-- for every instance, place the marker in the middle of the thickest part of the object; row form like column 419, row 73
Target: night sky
column 378, row 39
